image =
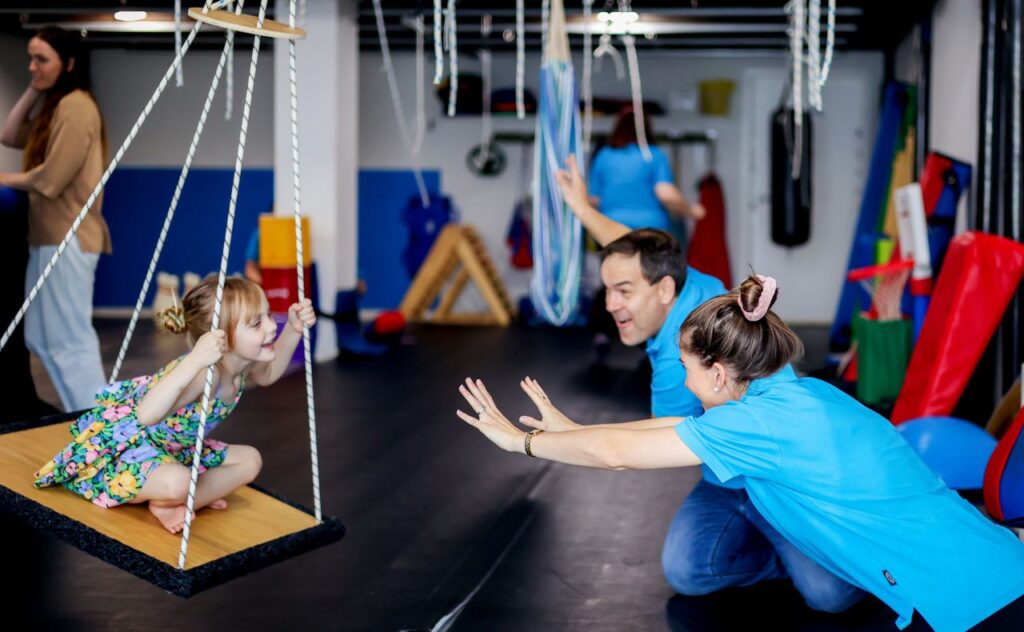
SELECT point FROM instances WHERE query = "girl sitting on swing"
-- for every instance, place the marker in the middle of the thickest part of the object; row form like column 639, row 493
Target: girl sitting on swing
column 137, row 444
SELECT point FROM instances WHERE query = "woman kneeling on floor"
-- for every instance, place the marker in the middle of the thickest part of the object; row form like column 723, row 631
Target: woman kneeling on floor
column 833, row 477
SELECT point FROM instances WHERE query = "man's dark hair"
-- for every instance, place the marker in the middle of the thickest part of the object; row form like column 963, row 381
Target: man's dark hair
column 660, row 255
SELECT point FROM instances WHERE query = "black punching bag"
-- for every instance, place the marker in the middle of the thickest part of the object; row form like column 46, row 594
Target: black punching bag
column 791, row 198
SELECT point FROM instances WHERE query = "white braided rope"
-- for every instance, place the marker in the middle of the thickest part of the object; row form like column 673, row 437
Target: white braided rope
column 814, row 54
column 638, row 98
column 229, row 83
column 151, row 271
column 438, row 43
column 221, row 277
column 180, row 77
column 396, row 101
column 485, row 101
column 299, row 268
column 485, row 116
column 520, row 60
column 453, row 57
column 421, row 93
column 830, row 42
column 588, row 87
column 796, row 41
column 103, row 180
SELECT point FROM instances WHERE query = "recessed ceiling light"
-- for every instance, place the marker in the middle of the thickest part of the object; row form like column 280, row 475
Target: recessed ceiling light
column 618, row 17
column 130, row 16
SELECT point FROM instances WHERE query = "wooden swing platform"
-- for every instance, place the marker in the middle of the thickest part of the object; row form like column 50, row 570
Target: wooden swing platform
column 256, row 530
column 245, row 23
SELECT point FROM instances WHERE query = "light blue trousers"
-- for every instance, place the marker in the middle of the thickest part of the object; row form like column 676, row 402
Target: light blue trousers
column 58, row 325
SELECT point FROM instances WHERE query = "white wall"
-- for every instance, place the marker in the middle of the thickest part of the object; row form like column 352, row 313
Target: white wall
column 743, row 149
column 956, row 59
column 124, row 80
column 327, row 76
column 955, row 81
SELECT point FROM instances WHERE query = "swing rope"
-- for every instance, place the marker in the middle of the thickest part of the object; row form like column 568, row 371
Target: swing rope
column 151, row 271
column 180, row 77
column 221, row 278
column 299, row 268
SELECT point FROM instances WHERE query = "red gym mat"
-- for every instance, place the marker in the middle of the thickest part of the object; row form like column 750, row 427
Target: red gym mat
column 977, row 281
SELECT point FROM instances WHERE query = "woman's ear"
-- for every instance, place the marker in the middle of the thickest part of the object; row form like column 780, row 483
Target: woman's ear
column 719, row 375
column 71, row 64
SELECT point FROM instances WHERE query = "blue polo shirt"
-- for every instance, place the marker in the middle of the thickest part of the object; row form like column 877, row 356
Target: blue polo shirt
column 839, row 482
column 669, row 395
column 624, row 181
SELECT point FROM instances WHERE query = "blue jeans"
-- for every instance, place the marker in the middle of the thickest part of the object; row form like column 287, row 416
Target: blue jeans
column 58, row 325
column 718, row 539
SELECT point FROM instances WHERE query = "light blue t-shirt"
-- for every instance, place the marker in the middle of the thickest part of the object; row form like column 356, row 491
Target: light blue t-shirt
column 840, row 483
column 624, row 182
column 669, row 395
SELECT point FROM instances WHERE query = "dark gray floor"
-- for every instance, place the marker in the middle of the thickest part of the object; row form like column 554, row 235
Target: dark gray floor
column 432, row 510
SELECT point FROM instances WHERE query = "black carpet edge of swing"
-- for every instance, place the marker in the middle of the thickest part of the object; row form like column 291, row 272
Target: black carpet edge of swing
column 184, row 584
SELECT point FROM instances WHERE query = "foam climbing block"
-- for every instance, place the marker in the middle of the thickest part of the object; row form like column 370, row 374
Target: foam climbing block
column 981, row 274
column 281, row 285
column 1004, row 476
column 277, row 241
column 956, row 450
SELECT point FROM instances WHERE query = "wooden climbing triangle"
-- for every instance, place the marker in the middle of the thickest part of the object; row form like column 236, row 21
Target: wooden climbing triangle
column 458, row 247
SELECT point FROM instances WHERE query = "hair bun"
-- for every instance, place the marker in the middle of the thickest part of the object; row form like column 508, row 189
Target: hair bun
column 173, row 320
column 756, row 296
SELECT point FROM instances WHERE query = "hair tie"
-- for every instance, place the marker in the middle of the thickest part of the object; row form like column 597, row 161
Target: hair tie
column 173, row 318
column 768, row 287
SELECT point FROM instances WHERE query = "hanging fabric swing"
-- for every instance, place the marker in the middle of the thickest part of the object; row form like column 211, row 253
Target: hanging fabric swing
column 557, row 235
column 259, row 529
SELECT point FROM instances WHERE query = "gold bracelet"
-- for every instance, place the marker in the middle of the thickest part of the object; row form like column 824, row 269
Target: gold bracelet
column 528, row 439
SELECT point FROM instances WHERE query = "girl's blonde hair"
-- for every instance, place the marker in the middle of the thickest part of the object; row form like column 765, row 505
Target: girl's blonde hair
column 194, row 317
column 718, row 331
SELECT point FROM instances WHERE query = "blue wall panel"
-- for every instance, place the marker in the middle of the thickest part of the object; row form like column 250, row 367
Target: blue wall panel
column 383, row 195
column 135, row 204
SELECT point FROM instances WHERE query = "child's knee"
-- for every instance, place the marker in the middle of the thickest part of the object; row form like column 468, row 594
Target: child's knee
column 257, row 462
column 176, row 485
column 250, row 458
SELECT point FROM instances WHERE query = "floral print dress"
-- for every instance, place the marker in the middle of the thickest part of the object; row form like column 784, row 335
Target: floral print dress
column 112, row 454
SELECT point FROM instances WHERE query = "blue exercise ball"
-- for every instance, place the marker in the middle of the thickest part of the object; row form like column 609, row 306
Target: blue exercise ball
column 11, row 200
column 956, row 450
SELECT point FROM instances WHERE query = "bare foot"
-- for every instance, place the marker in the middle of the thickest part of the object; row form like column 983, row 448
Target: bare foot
column 220, row 503
column 172, row 518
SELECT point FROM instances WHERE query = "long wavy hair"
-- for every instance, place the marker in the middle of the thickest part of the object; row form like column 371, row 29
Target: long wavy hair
column 68, row 46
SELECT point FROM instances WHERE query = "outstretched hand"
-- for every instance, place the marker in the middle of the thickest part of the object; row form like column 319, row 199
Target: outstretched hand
column 573, row 186
column 551, row 419
column 491, row 422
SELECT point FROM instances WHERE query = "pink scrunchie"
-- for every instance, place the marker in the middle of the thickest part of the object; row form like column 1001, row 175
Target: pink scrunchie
column 764, row 302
